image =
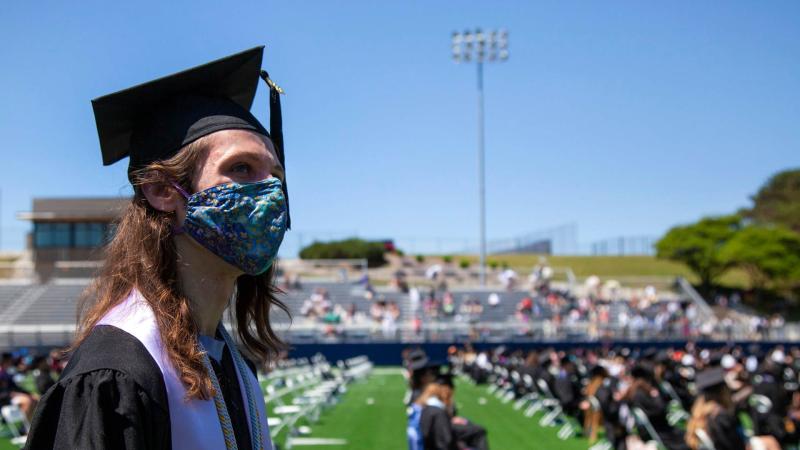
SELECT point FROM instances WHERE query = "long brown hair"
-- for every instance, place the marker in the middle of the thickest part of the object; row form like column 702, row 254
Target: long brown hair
column 593, row 418
column 705, row 408
column 441, row 391
column 142, row 255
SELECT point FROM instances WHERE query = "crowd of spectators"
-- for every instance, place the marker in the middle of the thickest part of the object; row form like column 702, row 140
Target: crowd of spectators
column 539, row 308
column 679, row 397
column 596, row 315
column 381, row 316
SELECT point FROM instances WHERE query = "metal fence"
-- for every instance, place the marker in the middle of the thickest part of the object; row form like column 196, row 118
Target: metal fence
column 544, row 331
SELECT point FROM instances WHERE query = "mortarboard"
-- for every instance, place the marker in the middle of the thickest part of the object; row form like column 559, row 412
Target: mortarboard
column 598, row 371
column 643, row 370
column 152, row 121
column 709, row 378
column 445, row 377
column 416, row 359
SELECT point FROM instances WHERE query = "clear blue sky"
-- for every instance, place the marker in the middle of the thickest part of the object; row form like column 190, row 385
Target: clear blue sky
column 623, row 117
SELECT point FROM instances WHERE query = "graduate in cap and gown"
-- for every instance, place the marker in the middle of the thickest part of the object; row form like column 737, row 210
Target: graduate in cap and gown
column 715, row 417
column 430, row 421
column 436, row 379
column 152, row 366
column 643, row 394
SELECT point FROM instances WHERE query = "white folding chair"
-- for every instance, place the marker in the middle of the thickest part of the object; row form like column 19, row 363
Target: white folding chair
column 643, row 421
column 705, row 440
column 14, row 417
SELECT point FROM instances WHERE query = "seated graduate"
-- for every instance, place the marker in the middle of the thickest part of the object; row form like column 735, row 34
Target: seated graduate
column 603, row 388
column 423, row 373
column 42, row 377
column 643, row 394
column 768, row 382
column 10, row 392
column 152, row 365
column 430, row 422
column 714, row 416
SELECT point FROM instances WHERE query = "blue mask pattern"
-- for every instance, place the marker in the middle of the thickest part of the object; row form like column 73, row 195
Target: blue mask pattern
column 242, row 223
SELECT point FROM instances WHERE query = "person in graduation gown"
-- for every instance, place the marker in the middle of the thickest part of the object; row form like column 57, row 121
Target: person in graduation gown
column 643, row 394
column 715, row 413
column 425, row 372
column 435, row 424
column 43, row 379
column 769, row 383
column 567, row 388
column 152, row 366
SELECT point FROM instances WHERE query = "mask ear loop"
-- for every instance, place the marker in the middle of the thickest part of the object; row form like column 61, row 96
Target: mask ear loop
column 178, row 229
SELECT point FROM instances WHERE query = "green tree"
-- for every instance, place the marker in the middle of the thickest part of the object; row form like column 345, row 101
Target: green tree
column 769, row 254
column 372, row 251
column 778, row 201
column 697, row 245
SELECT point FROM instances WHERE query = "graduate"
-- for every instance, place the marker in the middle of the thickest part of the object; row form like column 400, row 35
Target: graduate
column 152, row 366
column 429, row 421
column 716, row 414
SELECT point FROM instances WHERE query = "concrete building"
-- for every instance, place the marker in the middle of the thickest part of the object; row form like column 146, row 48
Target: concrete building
column 69, row 233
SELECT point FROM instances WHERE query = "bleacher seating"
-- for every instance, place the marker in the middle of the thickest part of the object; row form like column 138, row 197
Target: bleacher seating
column 9, row 293
column 47, row 315
column 56, row 305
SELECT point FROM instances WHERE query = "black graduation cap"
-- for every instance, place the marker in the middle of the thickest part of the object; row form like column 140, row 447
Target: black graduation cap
column 416, row 359
column 445, row 377
column 423, row 364
column 598, row 371
column 643, row 370
column 709, row 378
column 152, row 121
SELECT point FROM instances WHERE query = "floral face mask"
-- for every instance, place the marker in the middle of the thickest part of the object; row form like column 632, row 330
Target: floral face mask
column 242, row 223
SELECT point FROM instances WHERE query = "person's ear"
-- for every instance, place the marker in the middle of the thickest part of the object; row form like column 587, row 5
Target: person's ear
column 162, row 197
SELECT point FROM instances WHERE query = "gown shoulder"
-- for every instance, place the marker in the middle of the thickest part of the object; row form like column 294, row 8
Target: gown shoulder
column 110, row 396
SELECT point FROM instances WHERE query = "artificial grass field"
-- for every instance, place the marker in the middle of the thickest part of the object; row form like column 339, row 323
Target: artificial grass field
column 371, row 416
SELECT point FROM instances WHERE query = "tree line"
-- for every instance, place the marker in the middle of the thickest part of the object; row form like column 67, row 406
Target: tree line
column 762, row 240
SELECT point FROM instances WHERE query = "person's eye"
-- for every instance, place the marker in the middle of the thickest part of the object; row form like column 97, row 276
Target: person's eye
column 241, row 168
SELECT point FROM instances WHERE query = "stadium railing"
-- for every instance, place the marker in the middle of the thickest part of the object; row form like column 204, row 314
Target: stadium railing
column 13, row 336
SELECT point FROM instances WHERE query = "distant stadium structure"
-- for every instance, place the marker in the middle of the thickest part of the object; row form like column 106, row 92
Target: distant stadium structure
column 68, row 232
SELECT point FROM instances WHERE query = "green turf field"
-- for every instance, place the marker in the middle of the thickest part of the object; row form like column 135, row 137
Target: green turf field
column 372, row 416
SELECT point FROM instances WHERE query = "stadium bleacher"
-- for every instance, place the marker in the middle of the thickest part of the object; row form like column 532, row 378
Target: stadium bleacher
column 45, row 314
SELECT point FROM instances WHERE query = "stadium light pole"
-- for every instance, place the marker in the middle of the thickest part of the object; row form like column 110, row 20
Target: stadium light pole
column 481, row 47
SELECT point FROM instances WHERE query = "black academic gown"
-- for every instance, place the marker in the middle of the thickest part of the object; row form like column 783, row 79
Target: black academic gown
column 656, row 410
column 111, row 395
column 772, row 422
column 44, row 381
column 725, row 432
column 436, row 428
column 615, row 430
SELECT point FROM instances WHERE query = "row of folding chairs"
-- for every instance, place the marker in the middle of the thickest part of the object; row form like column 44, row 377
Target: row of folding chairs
column 305, row 395
column 538, row 399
